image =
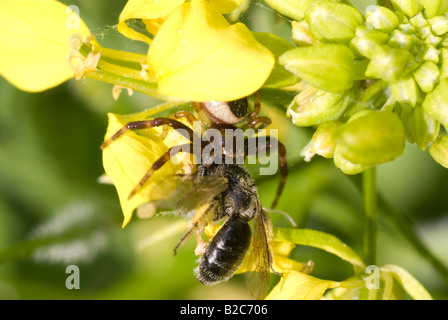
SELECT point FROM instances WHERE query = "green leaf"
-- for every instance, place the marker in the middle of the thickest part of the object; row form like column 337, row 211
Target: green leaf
column 320, row 240
column 412, row 286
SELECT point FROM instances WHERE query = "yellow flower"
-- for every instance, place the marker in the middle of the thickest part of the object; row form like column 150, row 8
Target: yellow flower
column 152, row 13
column 127, row 159
column 196, row 55
column 35, row 42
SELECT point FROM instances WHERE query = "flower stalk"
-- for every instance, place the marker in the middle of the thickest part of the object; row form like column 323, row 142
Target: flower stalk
column 370, row 215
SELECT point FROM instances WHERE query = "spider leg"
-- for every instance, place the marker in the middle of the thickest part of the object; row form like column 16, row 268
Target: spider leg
column 270, row 143
column 159, row 163
column 187, row 115
column 145, row 124
column 181, row 114
column 252, row 119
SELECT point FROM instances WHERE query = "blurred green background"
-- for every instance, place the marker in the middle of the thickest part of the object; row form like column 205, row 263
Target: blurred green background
column 55, row 213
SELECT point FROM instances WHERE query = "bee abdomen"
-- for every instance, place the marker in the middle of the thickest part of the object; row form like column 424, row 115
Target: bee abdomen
column 225, row 252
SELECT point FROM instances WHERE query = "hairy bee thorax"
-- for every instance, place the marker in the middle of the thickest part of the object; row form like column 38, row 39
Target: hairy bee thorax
column 241, row 195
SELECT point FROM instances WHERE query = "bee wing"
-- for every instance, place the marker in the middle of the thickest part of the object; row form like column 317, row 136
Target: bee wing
column 260, row 258
column 191, row 192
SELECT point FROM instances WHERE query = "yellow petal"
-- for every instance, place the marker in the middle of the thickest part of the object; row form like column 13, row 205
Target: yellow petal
column 300, row 286
column 34, row 37
column 127, row 159
column 152, row 14
column 225, row 6
column 198, row 56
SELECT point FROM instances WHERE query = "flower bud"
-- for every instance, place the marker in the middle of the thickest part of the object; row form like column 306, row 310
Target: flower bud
column 418, row 21
column 444, row 67
column 322, row 142
column 419, row 126
column 439, row 150
column 401, row 40
column 291, row 8
column 427, row 76
column 301, row 34
column 405, row 91
column 312, row 106
column 389, row 64
column 328, row 66
column 439, row 25
column 333, row 21
column 366, row 40
column 436, row 103
column 345, row 165
column 371, row 137
column 381, row 18
column 408, row 7
column 430, row 53
column 434, row 7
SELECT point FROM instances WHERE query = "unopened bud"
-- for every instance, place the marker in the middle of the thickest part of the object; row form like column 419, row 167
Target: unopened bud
column 366, row 40
column 434, row 7
column 419, row 126
column 312, row 106
column 408, row 7
column 381, row 18
column 436, row 103
column 439, row 150
column 301, row 34
column 444, row 67
column 371, row 137
column 345, row 165
column 328, row 66
column 427, row 76
column 322, row 142
column 405, row 91
column 439, row 25
column 389, row 64
column 333, row 21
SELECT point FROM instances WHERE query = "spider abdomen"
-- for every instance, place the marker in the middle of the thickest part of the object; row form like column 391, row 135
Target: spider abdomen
column 225, row 252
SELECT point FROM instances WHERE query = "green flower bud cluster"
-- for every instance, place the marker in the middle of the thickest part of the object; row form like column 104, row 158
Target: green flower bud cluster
column 369, row 83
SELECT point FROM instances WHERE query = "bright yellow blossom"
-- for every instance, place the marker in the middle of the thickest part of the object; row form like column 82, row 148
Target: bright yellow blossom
column 197, row 55
column 127, row 159
column 35, row 42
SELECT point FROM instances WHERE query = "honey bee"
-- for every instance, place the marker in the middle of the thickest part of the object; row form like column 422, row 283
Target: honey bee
column 226, row 192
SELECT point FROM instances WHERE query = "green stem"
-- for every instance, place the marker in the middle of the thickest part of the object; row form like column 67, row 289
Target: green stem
column 370, row 215
column 146, row 87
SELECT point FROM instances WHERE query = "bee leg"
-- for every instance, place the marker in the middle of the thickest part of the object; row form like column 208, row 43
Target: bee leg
column 145, row 124
column 198, row 224
column 270, row 143
column 182, row 240
column 159, row 163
